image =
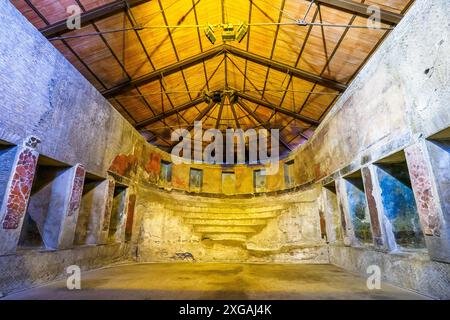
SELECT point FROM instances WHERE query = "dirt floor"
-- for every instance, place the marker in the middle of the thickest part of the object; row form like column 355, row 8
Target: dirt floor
column 217, row 281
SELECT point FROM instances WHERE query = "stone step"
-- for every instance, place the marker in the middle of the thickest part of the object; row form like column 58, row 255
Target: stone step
column 229, row 216
column 228, row 222
column 226, row 237
column 216, row 210
column 225, row 229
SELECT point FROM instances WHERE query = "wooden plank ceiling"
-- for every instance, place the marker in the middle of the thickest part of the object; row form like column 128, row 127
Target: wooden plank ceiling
column 280, row 75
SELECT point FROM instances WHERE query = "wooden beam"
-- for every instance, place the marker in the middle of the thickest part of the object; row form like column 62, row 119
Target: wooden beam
column 286, row 68
column 360, row 9
column 233, row 110
column 259, row 120
column 157, row 74
column 219, row 115
column 278, row 109
column 169, row 113
column 204, row 56
column 202, row 114
column 199, row 117
column 87, row 17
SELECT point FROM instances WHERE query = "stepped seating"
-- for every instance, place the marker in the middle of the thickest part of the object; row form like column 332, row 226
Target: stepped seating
column 219, row 222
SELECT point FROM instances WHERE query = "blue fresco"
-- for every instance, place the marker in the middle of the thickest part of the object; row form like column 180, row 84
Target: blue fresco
column 289, row 173
column 358, row 209
column 166, row 171
column 400, row 206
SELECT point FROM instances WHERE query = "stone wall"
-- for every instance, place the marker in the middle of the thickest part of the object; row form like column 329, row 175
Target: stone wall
column 33, row 268
column 397, row 101
column 283, row 228
column 396, row 108
column 412, row 271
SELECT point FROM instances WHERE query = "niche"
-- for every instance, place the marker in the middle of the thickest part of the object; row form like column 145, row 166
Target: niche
column 195, row 180
column 259, row 180
column 165, row 173
column 398, row 202
column 46, row 189
column 289, row 174
column 357, row 206
column 228, row 182
column 91, row 203
column 332, row 213
column 7, row 156
column 439, row 151
column 118, row 214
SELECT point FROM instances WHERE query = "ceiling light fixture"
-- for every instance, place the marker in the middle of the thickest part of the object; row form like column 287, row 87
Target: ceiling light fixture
column 229, row 33
column 241, row 31
column 209, row 32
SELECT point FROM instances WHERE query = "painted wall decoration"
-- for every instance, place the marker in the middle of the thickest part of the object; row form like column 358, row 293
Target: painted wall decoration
column 259, row 180
column 20, row 188
column 422, row 186
column 289, row 174
column 372, row 206
column 130, row 216
column 165, row 174
column 358, row 209
column 400, row 206
column 195, row 180
column 323, row 225
column 124, row 165
column 77, row 190
column 228, row 182
column 109, row 204
column 153, row 166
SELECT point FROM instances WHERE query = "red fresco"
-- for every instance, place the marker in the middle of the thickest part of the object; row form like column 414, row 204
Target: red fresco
column 373, row 210
column 20, row 189
column 77, row 190
column 153, row 164
column 130, row 215
column 422, row 187
column 123, row 164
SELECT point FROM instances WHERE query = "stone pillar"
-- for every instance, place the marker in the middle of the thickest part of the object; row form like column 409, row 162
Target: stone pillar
column 428, row 202
column 346, row 221
column 17, row 193
column 376, row 210
column 130, row 216
column 329, row 205
column 99, row 217
column 64, row 206
column 119, row 235
column 109, row 197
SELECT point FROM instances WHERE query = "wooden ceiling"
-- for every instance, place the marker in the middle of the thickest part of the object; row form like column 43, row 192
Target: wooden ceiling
column 153, row 62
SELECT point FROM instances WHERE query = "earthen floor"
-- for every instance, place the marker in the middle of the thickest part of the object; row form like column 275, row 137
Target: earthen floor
column 217, row 281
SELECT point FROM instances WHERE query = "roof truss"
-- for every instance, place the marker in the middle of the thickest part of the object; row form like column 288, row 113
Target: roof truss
column 360, row 9
column 225, row 49
column 90, row 16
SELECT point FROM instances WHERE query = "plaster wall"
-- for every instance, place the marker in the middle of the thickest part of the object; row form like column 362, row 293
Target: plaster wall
column 400, row 95
column 283, row 228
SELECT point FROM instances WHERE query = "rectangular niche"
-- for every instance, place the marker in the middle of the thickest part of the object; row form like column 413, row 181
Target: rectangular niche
column 228, row 182
column 116, row 223
column 289, row 174
column 7, row 156
column 332, row 213
column 91, row 204
column 439, row 151
column 195, row 180
column 398, row 202
column 165, row 174
column 358, row 209
column 45, row 194
column 259, row 180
